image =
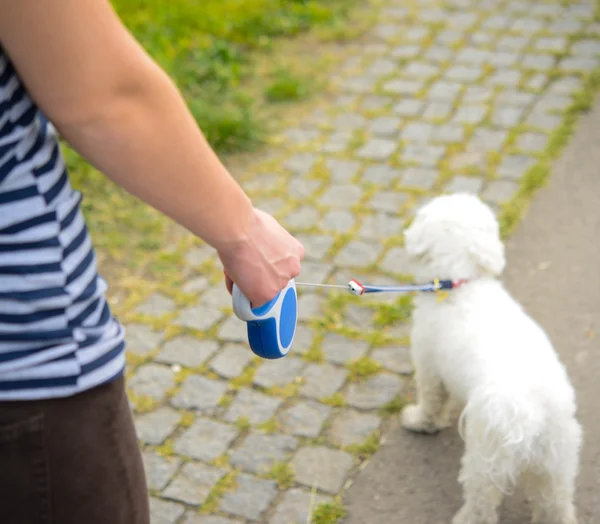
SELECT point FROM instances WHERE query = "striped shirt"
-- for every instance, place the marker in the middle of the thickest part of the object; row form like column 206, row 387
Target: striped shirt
column 57, row 334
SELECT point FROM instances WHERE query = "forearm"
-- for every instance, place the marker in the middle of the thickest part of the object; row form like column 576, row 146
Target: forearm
column 146, row 141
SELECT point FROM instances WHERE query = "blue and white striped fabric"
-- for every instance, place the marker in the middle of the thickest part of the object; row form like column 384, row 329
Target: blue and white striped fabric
column 57, row 334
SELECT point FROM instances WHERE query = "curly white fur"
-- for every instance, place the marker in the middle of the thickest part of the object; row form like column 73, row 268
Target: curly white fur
column 478, row 353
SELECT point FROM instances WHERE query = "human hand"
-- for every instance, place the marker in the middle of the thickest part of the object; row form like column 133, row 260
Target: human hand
column 263, row 262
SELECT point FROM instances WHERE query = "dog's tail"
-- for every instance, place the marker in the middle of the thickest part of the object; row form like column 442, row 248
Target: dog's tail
column 501, row 428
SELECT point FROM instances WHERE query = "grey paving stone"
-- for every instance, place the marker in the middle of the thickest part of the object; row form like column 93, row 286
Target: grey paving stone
column 310, row 307
column 302, row 218
column 233, row 330
column 337, row 142
column 251, row 497
column 338, row 220
column 419, row 177
column 324, row 467
column 359, row 84
column 505, row 78
column 199, row 393
column 487, row 139
column 217, row 297
column 358, row 253
column 394, row 358
column 360, row 318
column 578, row 64
column 300, row 163
column 556, row 43
column 475, row 95
column 193, row 518
column 377, row 149
column 196, row 285
column 507, row 117
column 444, row 91
column 417, row 132
column 152, row 380
column 305, row 418
column 314, row 273
column 527, row 25
column 200, row 317
column 380, row 226
column 448, row 134
column 421, row 70
column 590, row 48
column 414, row 33
column 141, row 339
column 315, row 246
column 270, row 205
column 402, row 87
column 514, row 98
column 165, row 512
column 295, row 506
column 381, row 174
column 409, row 107
column 341, row 196
column 341, row 350
column 194, row 483
column 154, row 427
column 470, row 159
column 553, row 103
column 301, row 136
column 464, row 74
column 374, row 392
column 537, row 82
column 259, row 452
column 350, row 121
column 322, row 380
column 499, row 191
column 205, row 440
column 462, row 20
column 256, row 407
column 159, row 470
column 449, row 37
column 231, row 360
column 388, row 201
column 387, row 31
column 278, row 372
column 342, row 170
column 471, row 56
column 565, row 26
column 480, row 38
column 543, row 121
column 156, row 305
column 465, row 184
column 566, row 85
column 385, row 126
column 502, row 59
column 301, row 189
column 437, row 111
column 515, row 166
column 382, row 67
column 196, row 256
column 396, row 261
column 375, row 102
column 351, row 427
column 470, row 114
column 303, row 339
column 406, row 51
column 532, row 142
column 497, row 22
column 187, row 351
column 513, row 42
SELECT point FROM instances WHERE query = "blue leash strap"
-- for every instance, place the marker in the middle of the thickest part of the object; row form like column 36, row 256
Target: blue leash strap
column 436, row 285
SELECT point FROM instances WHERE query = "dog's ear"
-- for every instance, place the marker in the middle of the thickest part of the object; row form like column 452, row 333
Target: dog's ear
column 488, row 253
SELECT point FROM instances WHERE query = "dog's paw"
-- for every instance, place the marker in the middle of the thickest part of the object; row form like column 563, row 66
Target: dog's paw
column 414, row 419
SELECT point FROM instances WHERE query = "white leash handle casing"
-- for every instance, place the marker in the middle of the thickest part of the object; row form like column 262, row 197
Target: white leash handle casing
column 271, row 327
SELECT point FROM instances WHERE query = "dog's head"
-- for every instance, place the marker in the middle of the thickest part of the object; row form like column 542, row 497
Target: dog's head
column 456, row 237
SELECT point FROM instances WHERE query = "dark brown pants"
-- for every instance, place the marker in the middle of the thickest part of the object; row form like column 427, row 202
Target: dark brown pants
column 72, row 461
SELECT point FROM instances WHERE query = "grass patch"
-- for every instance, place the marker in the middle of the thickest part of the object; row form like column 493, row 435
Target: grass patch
column 328, row 513
column 362, row 368
column 393, row 407
column 283, row 474
column 367, row 448
column 398, row 312
column 286, row 87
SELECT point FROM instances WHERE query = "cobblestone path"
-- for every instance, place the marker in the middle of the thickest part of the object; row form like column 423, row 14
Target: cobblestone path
column 470, row 95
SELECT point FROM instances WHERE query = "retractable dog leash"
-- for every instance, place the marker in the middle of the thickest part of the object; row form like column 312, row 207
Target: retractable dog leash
column 272, row 326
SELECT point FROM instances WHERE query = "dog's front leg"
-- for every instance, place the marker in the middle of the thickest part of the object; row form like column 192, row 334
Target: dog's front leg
column 427, row 415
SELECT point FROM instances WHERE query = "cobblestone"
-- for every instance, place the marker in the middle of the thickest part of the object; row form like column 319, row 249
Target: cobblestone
column 251, row 497
column 462, row 96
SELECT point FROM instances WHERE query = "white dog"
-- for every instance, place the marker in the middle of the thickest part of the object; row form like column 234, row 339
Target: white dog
column 478, row 352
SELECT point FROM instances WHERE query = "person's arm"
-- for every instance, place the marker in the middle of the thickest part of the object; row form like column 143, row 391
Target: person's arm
column 121, row 112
